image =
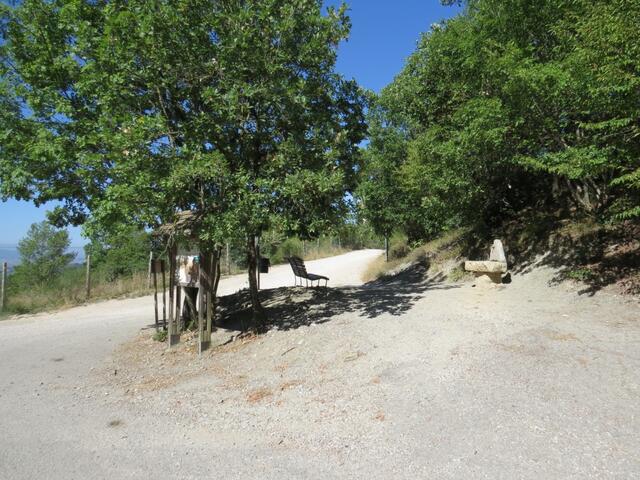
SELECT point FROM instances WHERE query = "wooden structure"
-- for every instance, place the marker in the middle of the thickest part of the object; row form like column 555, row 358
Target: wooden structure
column 3, row 285
column 157, row 267
column 193, row 280
column 300, row 271
column 87, row 279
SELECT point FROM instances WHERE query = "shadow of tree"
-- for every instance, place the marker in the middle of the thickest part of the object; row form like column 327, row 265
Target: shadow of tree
column 598, row 258
column 292, row 307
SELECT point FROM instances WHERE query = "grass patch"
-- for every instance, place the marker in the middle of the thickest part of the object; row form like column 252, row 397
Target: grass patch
column 459, row 274
column 69, row 290
column 580, row 274
column 160, row 336
column 444, row 254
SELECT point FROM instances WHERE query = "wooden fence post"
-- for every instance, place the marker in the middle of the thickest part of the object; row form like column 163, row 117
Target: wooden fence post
column 386, row 248
column 259, row 260
column 204, row 335
column 3, row 285
column 174, row 336
column 149, row 272
column 87, row 282
column 164, row 295
column 228, row 260
column 155, row 292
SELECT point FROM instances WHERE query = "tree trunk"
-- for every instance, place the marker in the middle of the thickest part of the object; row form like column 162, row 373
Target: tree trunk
column 259, row 317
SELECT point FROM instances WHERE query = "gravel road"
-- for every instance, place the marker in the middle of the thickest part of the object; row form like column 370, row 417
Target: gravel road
column 410, row 378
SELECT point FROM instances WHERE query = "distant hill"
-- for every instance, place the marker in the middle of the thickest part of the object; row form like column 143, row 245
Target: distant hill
column 9, row 254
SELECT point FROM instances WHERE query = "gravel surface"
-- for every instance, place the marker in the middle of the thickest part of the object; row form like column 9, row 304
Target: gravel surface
column 409, row 378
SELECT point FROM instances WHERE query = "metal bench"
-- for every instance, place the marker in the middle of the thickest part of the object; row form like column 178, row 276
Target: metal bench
column 300, row 271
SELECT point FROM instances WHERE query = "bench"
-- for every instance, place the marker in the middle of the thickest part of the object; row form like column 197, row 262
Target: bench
column 300, row 271
column 491, row 269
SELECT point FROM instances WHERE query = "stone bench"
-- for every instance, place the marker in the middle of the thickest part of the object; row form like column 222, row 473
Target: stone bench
column 491, row 269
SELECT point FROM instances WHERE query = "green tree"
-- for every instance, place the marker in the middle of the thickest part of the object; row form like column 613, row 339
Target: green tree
column 119, row 252
column 517, row 104
column 43, row 253
column 137, row 112
column 381, row 200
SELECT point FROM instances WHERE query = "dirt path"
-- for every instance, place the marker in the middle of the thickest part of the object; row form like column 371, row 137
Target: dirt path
column 406, row 379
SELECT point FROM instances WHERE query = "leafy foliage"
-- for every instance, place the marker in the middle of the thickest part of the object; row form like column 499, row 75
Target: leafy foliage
column 512, row 104
column 133, row 112
column 246, row 122
column 43, row 254
column 119, row 253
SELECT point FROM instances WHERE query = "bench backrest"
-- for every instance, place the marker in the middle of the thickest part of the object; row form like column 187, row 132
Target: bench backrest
column 497, row 252
column 298, row 267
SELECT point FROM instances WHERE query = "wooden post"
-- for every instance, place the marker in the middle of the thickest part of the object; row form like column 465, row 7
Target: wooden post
column 173, row 335
column 87, row 283
column 228, row 260
column 258, row 260
column 164, row 295
column 178, row 312
column 304, row 248
column 155, row 292
column 209, row 296
column 217, row 273
column 204, row 340
column 149, row 272
column 171, row 286
column 386, row 247
column 3, row 283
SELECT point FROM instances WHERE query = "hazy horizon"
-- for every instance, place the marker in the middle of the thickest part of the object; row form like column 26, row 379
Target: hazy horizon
column 10, row 254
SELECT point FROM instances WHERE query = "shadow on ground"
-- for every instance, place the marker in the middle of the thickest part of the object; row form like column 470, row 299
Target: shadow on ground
column 292, row 307
column 597, row 258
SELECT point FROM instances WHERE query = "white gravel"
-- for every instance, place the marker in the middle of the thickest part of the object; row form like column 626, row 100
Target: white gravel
column 410, row 379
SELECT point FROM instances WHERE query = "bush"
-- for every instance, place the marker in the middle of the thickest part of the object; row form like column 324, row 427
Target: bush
column 43, row 255
column 398, row 247
column 160, row 336
column 288, row 248
column 121, row 253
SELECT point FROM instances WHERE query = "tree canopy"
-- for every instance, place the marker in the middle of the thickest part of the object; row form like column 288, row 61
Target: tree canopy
column 135, row 110
column 43, row 253
column 132, row 112
column 514, row 104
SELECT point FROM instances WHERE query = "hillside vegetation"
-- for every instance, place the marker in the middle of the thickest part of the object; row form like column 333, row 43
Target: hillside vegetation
column 513, row 112
column 587, row 252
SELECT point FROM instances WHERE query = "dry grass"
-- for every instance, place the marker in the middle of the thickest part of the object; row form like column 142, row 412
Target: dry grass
column 577, row 229
column 73, row 293
column 325, row 252
column 444, row 255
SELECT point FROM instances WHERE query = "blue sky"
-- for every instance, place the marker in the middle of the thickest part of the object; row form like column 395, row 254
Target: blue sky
column 383, row 35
